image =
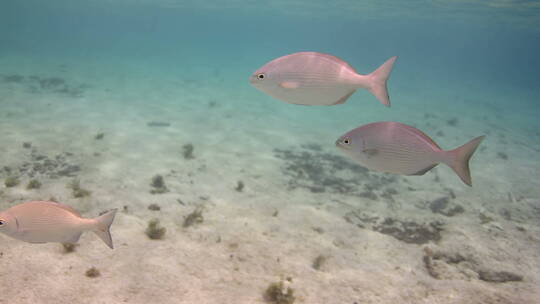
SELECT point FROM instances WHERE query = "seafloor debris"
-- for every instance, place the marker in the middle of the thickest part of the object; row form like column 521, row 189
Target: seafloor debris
column 407, row 231
column 158, row 124
column 280, row 292
column 310, row 167
column 33, row 184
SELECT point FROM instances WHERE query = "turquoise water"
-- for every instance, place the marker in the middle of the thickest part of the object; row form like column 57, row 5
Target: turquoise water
column 155, row 76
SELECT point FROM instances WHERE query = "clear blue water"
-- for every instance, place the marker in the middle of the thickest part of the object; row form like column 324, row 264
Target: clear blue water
column 173, row 61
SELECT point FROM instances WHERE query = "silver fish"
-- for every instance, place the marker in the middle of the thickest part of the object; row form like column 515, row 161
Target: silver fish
column 43, row 222
column 398, row 148
column 311, row 78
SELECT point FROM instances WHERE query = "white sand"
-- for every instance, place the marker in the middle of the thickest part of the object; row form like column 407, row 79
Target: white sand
column 241, row 247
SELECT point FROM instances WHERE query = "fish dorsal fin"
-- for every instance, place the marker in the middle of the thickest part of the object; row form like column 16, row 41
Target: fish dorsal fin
column 65, row 207
column 333, row 59
column 422, row 135
column 344, row 98
column 423, row 171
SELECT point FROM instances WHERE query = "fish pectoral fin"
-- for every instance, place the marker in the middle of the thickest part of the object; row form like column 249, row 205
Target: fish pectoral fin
column 289, row 85
column 423, row 171
column 371, row 152
column 344, row 98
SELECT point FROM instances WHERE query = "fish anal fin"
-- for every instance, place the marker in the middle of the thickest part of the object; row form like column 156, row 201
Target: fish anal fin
column 344, row 98
column 289, row 85
column 74, row 239
column 423, row 171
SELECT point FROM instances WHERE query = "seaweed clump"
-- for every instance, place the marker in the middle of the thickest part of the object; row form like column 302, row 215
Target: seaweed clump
column 93, row 272
column 154, row 231
column 33, row 184
column 239, row 186
column 11, row 181
column 188, row 151
column 280, row 293
column 99, row 136
column 69, row 247
column 194, row 217
column 318, row 262
column 77, row 191
column 158, row 183
column 154, row 207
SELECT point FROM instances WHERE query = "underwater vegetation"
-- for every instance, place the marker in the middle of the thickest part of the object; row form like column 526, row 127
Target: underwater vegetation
column 309, row 167
column 158, row 185
column 33, row 184
column 11, row 181
column 77, row 190
column 279, row 292
column 37, row 164
column 406, row 231
column 195, row 217
column 69, row 247
column 450, row 265
column 239, row 186
column 99, row 136
column 187, row 151
column 154, row 207
column 318, row 262
column 92, row 272
column 38, row 84
column 154, row 231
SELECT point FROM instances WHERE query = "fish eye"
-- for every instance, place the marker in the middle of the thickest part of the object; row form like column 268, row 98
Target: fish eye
column 1, row 222
column 260, row 76
column 347, row 141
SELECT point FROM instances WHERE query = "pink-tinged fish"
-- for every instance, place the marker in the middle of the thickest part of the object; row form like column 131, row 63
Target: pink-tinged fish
column 43, row 222
column 398, row 148
column 310, row 78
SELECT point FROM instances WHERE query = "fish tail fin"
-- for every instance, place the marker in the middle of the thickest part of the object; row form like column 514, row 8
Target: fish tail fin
column 378, row 79
column 103, row 223
column 459, row 161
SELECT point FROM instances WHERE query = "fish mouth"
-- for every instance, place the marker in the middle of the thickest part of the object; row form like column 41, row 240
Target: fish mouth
column 252, row 79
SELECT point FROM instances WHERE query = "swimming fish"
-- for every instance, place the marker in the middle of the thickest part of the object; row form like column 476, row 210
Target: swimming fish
column 43, row 222
column 398, row 148
column 311, row 78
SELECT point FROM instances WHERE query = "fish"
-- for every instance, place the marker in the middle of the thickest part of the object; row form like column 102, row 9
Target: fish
column 46, row 221
column 312, row 78
column 398, row 148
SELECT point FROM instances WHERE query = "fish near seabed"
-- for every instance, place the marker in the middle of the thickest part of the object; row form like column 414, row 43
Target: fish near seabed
column 44, row 222
column 311, row 78
column 394, row 147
